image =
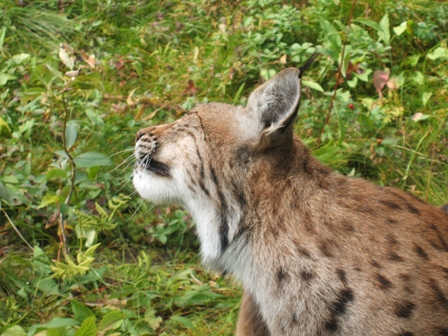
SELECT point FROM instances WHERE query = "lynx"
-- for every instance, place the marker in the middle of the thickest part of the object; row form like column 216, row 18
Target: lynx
column 317, row 253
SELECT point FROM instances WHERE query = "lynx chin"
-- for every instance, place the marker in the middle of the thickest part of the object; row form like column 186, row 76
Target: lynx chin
column 317, row 253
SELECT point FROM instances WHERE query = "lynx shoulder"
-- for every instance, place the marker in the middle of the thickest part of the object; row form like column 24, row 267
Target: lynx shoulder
column 317, row 253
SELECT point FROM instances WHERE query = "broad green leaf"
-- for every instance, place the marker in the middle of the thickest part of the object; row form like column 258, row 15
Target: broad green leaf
column 92, row 159
column 49, row 199
column 70, row 135
column 425, row 97
column 398, row 30
column 332, row 35
column 20, row 58
column 4, row 78
column 313, row 85
column 370, row 23
column 439, row 52
column 88, row 82
column 88, row 327
column 384, row 34
column 80, row 311
column 48, row 286
column 56, row 173
column 14, row 331
column 2, row 37
column 110, row 319
column 42, row 74
column 61, row 153
column 333, row 54
column 57, row 322
column 57, row 331
column 267, row 74
column 185, row 322
column 10, row 179
column 4, row 128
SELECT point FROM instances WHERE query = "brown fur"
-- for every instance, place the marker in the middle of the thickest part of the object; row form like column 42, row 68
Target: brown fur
column 317, row 253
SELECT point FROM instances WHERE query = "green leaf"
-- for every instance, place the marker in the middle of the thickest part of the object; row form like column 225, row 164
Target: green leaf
column 332, row 35
column 267, row 74
column 110, row 319
column 88, row 82
column 92, row 159
column 56, row 173
column 14, row 331
column 48, row 286
column 57, row 331
column 57, row 322
column 10, row 179
column 49, row 199
column 88, row 327
column 80, row 311
column 312, row 85
column 185, row 322
column 70, row 135
column 4, row 78
column 425, row 97
column 4, row 128
column 20, row 58
column 439, row 52
column 384, row 34
column 398, row 30
column 370, row 23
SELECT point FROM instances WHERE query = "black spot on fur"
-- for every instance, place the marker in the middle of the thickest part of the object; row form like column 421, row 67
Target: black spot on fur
column 439, row 295
column 412, row 209
column 342, row 276
column 332, row 324
column 281, row 274
column 383, row 282
column 325, row 247
column 395, row 257
column 204, row 188
column 294, row 318
column 391, row 221
column 443, row 245
column 348, row 226
column 375, row 264
column 404, row 309
column 443, row 332
column 303, row 251
column 421, row 252
column 306, row 275
column 339, row 306
column 445, row 208
column 390, row 205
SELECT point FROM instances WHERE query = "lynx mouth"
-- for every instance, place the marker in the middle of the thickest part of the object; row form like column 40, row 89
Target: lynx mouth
column 144, row 154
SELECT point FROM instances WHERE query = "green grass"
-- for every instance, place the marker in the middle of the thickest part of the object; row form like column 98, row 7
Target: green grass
column 154, row 61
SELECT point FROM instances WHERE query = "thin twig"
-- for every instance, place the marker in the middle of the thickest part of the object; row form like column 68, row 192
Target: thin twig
column 338, row 74
column 72, row 174
column 17, row 230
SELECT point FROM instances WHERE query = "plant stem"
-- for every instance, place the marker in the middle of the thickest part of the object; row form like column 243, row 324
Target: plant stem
column 72, row 173
column 17, row 230
column 338, row 74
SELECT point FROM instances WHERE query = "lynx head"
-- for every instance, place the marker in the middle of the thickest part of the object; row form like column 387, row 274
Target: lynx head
column 204, row 161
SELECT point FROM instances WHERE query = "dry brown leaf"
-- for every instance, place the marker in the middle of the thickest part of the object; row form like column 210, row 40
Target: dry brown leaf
column 283, row 59
column 380, row 79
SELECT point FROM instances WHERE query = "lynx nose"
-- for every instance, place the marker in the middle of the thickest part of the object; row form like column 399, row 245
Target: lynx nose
column 142, row 132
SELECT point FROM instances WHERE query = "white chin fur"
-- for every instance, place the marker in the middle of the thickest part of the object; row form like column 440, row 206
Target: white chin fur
column 153, row 188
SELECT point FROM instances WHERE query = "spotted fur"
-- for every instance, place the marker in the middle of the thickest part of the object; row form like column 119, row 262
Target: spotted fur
column 317, row 253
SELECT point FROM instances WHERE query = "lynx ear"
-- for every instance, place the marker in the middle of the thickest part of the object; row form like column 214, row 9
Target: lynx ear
column 275, row 104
